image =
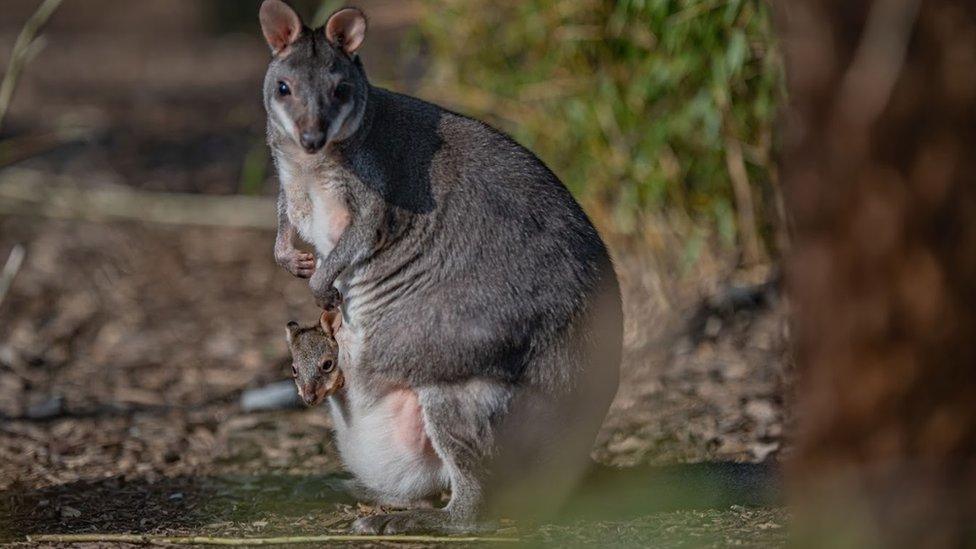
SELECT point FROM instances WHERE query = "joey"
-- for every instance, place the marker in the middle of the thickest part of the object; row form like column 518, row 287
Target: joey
column 315, row 358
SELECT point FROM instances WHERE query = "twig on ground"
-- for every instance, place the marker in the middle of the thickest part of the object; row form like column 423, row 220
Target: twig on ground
column 16, row 149
column 205, row 540
column 25, row 48
column 10, row 269
column 25, row 192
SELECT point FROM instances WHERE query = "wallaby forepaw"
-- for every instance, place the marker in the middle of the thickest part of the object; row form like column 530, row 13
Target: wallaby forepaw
column 300, row 264
column 422, row 521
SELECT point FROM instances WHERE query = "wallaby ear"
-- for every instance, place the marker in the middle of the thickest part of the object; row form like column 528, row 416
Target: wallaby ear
column 331, row 320
column 280, row 24
column 290, row 330
column 346, row 29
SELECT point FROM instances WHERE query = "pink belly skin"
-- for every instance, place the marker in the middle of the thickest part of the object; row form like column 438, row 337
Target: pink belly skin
column 338, row 222
column 408, row 429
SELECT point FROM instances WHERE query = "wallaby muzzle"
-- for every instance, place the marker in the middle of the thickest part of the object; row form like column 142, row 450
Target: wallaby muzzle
column 313, row 141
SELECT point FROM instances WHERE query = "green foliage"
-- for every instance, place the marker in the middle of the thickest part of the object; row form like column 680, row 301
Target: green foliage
column 629, row 101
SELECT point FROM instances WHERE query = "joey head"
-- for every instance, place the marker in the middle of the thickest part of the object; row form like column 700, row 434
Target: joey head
column 315, row 358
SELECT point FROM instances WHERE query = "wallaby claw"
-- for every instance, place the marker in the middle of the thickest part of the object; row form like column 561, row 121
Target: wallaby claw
column 328, row 299
column 298, row 263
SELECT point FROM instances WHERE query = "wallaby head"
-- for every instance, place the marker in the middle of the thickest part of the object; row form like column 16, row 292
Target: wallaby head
column 315, row 358
column 315, row 89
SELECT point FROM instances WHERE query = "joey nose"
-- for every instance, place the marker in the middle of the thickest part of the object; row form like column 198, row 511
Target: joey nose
column 313, row 141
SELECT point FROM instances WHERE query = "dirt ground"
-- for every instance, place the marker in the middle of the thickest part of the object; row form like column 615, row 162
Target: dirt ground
column 125, row 347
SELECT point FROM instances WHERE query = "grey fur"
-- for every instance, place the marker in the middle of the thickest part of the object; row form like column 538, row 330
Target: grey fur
column 468, row 274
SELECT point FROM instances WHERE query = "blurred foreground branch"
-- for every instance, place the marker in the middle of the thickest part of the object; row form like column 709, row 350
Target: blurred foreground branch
column 879, row 178
column 25, row 192
column 28, row 44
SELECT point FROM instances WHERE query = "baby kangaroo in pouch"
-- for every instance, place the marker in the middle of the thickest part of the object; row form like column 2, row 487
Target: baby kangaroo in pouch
column 315, row 358
column 480, row 314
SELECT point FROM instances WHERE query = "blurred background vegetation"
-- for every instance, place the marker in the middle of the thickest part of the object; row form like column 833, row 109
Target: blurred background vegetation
column 658, row 114
column 642, row 107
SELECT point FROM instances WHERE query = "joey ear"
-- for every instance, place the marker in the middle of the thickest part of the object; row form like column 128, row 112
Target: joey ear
column 331, row 320
column 346, row 29
column 290, row 330
column 280, row 24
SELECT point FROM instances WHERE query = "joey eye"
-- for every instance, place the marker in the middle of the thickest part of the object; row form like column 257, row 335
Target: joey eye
column 294, row 371
column 328, row 366
column 283, row 89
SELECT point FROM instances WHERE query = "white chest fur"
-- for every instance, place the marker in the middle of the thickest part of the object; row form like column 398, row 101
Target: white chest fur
column 315, row 190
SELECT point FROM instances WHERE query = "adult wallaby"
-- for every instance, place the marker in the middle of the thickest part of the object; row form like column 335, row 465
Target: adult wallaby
column 481, row 316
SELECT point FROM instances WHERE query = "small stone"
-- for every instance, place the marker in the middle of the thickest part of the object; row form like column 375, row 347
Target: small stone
column 713, row 326
column 761, row 411
column 761, row 451
column 626, row 446
column 52, row 407
column 736, row 369
column 70, row 512
column 276, row 396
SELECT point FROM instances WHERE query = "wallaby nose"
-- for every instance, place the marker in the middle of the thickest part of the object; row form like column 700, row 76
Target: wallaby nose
column 313, row 141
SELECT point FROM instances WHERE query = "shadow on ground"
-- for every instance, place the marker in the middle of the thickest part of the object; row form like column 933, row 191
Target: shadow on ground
column 172, row 505
column 688, row 506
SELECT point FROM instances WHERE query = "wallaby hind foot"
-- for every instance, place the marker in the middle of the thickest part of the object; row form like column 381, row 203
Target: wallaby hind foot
column 420, row 521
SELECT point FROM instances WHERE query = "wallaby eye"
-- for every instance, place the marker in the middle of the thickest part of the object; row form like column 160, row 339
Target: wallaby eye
column 328, row 366
column 283, row 89
column 342, row 92
column 294, row 371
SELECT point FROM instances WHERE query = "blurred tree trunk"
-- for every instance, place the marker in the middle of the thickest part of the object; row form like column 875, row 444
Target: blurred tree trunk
column 880, row 176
